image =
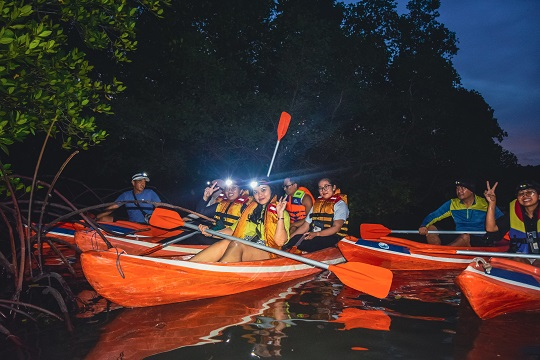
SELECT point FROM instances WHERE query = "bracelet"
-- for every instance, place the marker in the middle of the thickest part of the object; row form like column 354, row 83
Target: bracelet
column 281, row 218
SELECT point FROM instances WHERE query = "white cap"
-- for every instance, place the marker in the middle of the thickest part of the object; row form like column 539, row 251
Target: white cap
column 140, row 176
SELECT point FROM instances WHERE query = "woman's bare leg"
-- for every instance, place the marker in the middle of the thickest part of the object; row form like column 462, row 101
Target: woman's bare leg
column 212, row 253
column 239, row 252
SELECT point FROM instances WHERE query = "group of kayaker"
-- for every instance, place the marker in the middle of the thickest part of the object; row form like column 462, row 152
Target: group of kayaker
column 266, row 220
column 473, row 214
column 300, row 223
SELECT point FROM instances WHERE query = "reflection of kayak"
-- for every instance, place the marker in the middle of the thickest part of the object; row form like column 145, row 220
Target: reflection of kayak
column 372, row 319
column 502, row 337
column 500, row 286
column 89, row 240
column 136, row 281
column 400, row 254
column 139, row 333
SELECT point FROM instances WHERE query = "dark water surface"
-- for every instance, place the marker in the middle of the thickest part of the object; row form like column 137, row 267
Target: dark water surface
column 423, row 317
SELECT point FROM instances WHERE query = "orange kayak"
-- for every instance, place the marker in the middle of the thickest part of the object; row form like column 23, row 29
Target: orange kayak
column 143, row 234
column 401, row 254
column 88, row 240
column 500, row 286
column 138, row 281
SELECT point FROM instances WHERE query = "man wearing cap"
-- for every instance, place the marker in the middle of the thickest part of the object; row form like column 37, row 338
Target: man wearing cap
column 137, row 211
column 522, row 222
column 469, row 213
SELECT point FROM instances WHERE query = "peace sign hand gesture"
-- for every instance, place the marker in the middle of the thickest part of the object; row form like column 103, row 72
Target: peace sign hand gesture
column 281, row 205
column 489, row 193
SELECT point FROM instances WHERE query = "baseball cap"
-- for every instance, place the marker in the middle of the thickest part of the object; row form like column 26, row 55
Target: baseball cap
column 466, row 183
column 526, row 184
column 140, row 176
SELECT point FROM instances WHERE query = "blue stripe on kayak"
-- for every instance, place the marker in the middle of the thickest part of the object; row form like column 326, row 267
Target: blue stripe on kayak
column 116, row 228
column 61, row 230
column 107, row 227
column 515, row 276
column 384, row 246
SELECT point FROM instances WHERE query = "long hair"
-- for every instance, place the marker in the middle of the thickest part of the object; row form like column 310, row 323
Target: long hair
column 257, row 216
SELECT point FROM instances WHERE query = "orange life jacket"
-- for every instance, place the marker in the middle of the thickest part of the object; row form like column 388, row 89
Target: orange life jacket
column 295, row 208
column 228, row 212
column 323, row 212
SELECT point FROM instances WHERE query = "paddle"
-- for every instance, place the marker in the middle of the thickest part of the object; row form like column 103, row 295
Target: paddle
column 161, row 246
column 370, row 279
column 284, row 121
column 497, row 254
column 375, row 231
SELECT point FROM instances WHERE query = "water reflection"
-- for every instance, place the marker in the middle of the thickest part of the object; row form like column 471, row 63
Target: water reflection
column 424, row 317
column 138, row 333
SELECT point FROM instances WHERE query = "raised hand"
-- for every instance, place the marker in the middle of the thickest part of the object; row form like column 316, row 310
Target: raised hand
column 281, row 205
column 208, row 191
column 489, row 193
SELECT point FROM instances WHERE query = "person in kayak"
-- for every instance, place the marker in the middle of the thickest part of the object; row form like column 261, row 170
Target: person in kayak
column 138, row 212
column 264, row 221
column 469, row 213
column 326, row 222
column 522, row 222
column 299, row 202
column 226, row 211
column 212, row 193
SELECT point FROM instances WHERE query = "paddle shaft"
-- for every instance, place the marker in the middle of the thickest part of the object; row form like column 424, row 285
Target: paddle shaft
column 273, row 157
column 161, row 246
column 438, row 232
column 497, row 254
column 264, row 248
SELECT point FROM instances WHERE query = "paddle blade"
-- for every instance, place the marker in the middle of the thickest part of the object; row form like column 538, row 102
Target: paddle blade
column 370, row 279
column 373, row 231
column 283, row 126
column 165, row 219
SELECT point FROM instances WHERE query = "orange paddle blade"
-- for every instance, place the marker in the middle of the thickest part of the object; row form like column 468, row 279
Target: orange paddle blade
column 165, row 219
column 283, row 126
column 373, row 231
column 370, row 279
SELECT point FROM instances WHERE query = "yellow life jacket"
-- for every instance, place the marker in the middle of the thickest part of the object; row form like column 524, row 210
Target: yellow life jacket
column 295, row 208
column 323, row 212
column 270, row 224
column 518, row 234
column 228, row 212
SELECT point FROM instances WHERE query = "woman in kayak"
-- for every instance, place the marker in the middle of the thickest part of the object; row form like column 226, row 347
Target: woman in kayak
column 226, row 211
column 326, row 222
column 522, row 222
column 264, row 221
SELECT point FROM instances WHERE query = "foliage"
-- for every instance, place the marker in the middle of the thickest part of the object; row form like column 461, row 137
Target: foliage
column 374, row 97
column 46, row 80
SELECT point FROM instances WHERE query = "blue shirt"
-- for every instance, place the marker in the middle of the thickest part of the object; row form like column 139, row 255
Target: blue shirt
column 137, row 213
column 472, row 218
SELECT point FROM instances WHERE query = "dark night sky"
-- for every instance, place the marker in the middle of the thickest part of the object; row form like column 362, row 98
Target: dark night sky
column 499, row 56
